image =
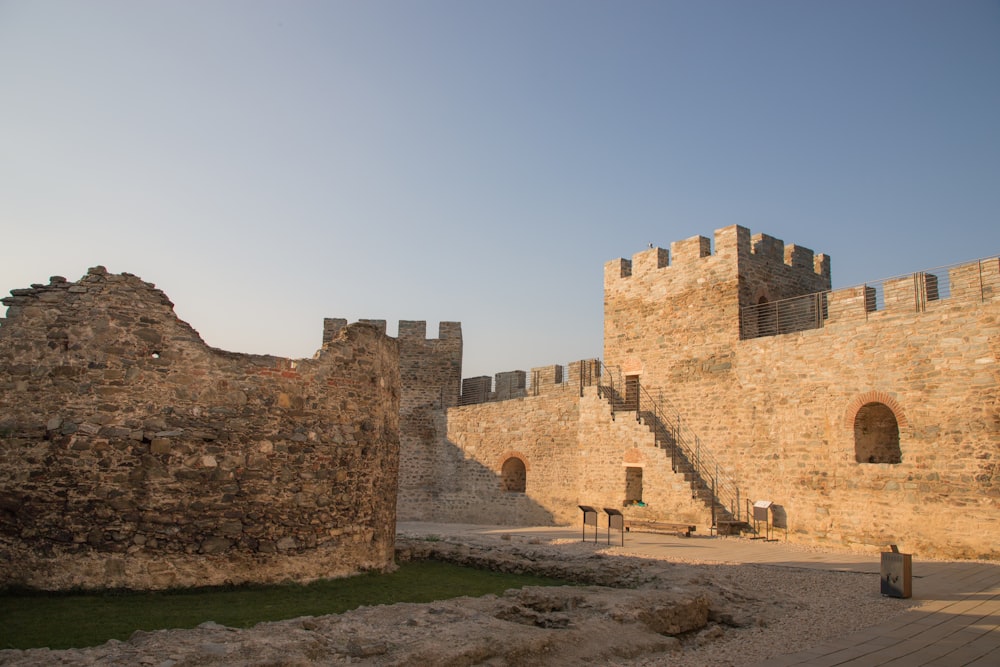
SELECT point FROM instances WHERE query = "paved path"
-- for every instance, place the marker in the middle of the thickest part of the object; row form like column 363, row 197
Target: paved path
column 957, row 623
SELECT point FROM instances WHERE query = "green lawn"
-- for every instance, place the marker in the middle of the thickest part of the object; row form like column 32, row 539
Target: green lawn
column 64, row 620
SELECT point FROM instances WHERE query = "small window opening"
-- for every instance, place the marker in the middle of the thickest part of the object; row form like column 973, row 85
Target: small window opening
column 631, row 392
column 876, row 435
column 513, row 476
column 633, row 486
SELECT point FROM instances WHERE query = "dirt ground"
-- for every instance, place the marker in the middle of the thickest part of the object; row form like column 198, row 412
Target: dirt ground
column 621, row 610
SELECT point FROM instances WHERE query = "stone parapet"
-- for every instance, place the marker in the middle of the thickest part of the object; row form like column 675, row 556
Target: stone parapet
column 544, row 379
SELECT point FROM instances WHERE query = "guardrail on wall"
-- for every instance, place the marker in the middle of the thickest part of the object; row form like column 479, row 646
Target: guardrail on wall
column 976, row 281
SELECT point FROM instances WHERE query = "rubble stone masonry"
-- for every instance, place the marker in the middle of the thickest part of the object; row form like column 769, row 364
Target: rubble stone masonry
column 133, row 455
column 431, row 376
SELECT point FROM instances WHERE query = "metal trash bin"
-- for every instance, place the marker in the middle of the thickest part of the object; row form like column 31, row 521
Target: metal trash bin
column 896, row 574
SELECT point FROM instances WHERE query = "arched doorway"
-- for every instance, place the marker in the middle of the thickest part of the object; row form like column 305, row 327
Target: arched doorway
column 876, row 434
column 513, row 476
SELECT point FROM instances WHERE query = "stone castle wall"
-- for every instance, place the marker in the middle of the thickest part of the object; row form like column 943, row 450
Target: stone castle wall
column 778, row 412
column 573, row 449
column 431, row 378
column 133, row 455
column 538, row 431
column 790, row 430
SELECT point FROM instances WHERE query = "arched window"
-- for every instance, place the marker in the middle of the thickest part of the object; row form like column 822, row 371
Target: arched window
column 513, row 476
column 876, row 435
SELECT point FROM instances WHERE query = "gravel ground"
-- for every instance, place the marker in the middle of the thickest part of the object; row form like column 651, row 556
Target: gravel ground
column 626, row 610
column 782, row 609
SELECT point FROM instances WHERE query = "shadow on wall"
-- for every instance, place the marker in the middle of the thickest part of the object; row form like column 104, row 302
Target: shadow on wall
column 439, row 483
column 779, row 518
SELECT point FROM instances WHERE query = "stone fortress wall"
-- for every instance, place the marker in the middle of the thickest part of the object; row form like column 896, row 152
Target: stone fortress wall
column 800, row 419
column 431, row 375
column 133, row 455
column 781, row 412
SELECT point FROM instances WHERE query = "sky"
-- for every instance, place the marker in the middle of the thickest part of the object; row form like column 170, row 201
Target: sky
column 269, row 164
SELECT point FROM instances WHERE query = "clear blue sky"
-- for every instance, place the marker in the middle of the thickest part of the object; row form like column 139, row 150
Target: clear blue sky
column 269, row 164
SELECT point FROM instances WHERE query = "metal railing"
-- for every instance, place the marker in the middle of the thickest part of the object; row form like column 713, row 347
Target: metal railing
column 609, row 387
column 687, row 454
column 785, row 316
column 977, row 280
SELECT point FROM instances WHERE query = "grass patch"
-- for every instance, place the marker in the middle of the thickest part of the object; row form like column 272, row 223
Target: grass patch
column 76, row 620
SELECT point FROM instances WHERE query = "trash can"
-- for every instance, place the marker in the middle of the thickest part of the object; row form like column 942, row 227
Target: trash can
column 897, row 574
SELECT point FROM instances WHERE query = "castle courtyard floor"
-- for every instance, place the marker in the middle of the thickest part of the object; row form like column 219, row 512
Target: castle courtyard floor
column 955, row 624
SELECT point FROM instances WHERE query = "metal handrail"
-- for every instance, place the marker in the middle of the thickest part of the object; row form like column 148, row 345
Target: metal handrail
column 670, row 431
column 705, row 467
column 606, row 387
column 799, row 313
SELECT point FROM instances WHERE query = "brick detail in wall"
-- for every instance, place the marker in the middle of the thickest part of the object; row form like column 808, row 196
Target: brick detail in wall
column 875, row 397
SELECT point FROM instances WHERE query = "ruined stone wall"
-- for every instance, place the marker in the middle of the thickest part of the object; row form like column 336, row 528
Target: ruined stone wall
column 133, row 455
column 431, row 379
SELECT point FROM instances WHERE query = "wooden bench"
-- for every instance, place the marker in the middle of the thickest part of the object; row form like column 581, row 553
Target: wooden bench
column 663, row 527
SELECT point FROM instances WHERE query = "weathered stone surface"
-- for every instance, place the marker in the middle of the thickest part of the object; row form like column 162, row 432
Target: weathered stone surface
column 776, row 413
column 129, row 440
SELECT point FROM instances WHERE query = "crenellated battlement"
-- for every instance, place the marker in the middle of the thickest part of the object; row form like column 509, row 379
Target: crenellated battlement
column 431, row 367
column 699, row 286
column 733, row 244
column 408, row 329
column 956, row 286
column 543, row 380
column 929, row 291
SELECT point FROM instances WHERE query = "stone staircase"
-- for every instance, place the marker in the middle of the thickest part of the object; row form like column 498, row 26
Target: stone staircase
column 720, row 496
